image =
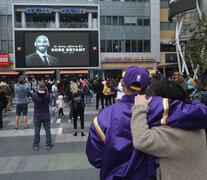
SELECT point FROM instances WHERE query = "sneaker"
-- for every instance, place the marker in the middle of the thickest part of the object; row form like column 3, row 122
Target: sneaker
column 75, row 133
column 35, row 147
column 26, row 128
column 16, row 128
column 69, row 121
column 50, row 146
column 83, row 134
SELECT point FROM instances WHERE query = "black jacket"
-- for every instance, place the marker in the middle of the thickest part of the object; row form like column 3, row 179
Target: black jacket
column 3, row 100
column 98, row 88
column 35, row 60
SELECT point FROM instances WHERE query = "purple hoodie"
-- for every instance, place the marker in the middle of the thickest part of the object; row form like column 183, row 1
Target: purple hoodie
column 41, row 105
column 110, row 146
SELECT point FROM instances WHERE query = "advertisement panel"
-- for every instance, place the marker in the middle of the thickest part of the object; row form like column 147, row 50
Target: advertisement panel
column 178, row 6
column 171, row 58
column 40, row 49
column 4, row 59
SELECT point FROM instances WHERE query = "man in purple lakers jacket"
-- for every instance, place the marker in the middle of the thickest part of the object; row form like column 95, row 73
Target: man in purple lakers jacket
column 109, row 144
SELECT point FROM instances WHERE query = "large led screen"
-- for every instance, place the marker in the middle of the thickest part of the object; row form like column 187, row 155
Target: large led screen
column 35, row 49
column 178, row 6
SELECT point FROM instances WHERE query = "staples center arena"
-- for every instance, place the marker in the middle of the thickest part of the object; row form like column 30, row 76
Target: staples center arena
column 97, row 38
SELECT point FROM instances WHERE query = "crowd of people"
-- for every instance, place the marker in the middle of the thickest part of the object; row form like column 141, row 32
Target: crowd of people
column 76, row 92
column 140, row 119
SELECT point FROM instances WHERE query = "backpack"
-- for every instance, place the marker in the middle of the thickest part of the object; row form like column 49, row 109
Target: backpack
column 77, row 100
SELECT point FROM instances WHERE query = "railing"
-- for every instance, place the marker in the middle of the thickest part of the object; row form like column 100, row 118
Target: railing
column 73, row 25
column 53, row 25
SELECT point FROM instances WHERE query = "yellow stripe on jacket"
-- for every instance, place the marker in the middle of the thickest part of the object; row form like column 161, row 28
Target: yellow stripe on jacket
column 166, row 111
column 98, row 129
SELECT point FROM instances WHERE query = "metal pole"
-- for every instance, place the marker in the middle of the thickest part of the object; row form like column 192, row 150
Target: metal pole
column 198, row 8
column 176, row 40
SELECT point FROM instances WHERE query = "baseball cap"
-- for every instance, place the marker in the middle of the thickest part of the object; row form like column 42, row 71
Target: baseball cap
column 136, row 78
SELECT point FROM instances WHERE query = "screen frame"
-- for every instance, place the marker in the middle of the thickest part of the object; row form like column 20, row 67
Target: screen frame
column 59, row 67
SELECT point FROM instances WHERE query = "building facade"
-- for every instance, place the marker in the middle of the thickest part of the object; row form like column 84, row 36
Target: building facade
column 129, row 30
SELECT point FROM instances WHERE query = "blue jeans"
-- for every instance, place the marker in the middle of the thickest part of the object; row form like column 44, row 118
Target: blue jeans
column 54, row 99
column 37, row 128
column 88, row 99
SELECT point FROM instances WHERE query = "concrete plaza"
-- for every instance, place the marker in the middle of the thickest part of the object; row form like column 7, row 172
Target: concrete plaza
column 67, row 160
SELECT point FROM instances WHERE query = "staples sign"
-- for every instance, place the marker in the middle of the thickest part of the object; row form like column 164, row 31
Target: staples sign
column 4, row 59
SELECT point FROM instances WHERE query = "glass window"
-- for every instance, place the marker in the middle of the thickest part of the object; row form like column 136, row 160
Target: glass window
column 139, row 0
column 134, row 45
column 9, row 20
column 4, row 35
column 10, row 35
column 11, row 46
column 115, row 20
column 122, row 44
column 127, row 45
column 127, row 21
column 2, row 20
column 4, row 47
column 115, row 46
column 102, row 20
column 164, row 26
column 139, row 21
column 146, row 45
column 146, row 21
column 172, row 26
column 167, row 48
column 167, row 26
column 108, row 20
column 109, row 46
column 103, row 46
column 121, row 20
column 133, row 21
column 164, row 3
column 140, row 46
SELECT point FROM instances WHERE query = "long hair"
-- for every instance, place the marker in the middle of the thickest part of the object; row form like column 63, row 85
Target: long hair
column 171, row 90
column 200, row 83
column 74, row 87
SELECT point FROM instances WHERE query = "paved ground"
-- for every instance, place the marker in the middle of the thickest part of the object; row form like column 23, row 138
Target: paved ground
column 67, row 160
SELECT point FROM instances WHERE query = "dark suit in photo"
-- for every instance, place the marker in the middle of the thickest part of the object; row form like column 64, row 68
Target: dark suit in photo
column 35, row 60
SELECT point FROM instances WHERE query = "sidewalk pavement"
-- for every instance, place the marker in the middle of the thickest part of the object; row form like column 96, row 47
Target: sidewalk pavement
column 66, row 160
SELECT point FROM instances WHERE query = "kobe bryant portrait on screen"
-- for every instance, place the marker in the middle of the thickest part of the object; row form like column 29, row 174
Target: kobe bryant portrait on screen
column 41, row 57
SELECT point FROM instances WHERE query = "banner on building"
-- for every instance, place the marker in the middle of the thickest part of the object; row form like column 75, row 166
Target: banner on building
column 171, row 58
column 4, row 59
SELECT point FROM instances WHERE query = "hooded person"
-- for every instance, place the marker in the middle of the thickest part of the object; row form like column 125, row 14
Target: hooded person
column 109, row 145
column 41, row 100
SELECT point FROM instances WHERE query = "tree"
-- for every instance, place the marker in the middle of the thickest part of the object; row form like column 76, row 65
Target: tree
column 196, row 46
